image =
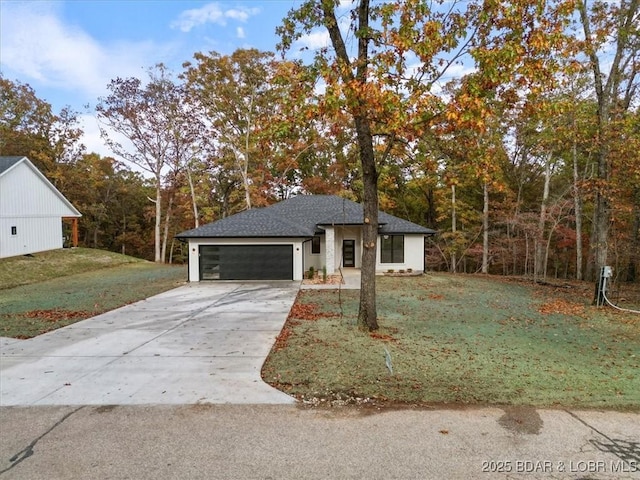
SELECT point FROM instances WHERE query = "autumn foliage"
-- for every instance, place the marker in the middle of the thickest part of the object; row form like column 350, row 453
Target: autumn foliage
column 510, row 127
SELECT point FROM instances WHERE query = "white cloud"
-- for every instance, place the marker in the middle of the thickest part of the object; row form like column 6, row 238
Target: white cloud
column 241, row 14
column 211, row 13
column 240, row 32
column 91, row 138
column 314, row 40
column 37, row 46
column 320, row 38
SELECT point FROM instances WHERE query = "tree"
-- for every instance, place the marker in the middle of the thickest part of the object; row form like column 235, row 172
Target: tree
column 404, row 48
column 29, row 127
column 354, row 79
column 235, row 92
column 611, row 37
column 157, row 125
column 112, row 200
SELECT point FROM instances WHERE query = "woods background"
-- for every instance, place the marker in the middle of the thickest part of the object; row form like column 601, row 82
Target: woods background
column 512, row 128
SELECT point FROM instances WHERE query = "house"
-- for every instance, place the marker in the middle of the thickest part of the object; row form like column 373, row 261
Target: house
column 282, row 241
column 31, row 210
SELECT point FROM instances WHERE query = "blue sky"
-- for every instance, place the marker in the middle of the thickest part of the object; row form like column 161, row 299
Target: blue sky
column 68, row 51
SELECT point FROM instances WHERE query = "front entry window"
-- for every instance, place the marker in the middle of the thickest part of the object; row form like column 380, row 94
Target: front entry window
column 392, row 249
column 315, row 245
column 348, row 253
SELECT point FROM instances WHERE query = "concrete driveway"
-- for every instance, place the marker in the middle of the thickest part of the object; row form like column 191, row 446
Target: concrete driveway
column 200, row 343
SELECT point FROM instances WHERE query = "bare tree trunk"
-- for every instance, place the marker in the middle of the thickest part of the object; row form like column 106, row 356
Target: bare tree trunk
column 590, row 271
column 485, row 229
column 526, row 253
column 635, row 246
column 577, row 201
column 367, row 314
column 167, row 221
column 454, row 261
column 124, row 233
column 245, row 163
column 193, row 198
column 158, row 257
column 539, row 266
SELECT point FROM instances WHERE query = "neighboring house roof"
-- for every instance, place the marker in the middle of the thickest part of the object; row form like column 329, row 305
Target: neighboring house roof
column 300, row 216
column 9, row 163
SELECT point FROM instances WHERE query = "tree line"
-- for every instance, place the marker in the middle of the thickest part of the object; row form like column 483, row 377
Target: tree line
column 526, row 163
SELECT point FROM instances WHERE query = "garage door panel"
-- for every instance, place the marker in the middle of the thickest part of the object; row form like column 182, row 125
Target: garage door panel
column 246, row 262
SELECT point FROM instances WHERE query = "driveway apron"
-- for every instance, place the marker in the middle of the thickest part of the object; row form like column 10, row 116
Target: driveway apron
column 200, row 343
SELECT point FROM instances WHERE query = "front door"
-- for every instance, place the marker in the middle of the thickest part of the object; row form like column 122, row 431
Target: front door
column 348, row 253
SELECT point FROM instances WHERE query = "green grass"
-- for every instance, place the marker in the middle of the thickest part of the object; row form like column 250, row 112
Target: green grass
column 39, row 267
column 54, row 289
column 463, row 340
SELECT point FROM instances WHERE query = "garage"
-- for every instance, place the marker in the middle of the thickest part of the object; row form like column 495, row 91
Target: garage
column 246, row 262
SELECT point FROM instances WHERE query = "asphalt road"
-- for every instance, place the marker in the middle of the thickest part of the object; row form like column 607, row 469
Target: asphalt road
column 289, row 442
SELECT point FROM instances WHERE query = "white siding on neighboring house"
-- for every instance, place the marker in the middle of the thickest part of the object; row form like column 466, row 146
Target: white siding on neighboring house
column 33, row 234
column 31, row 212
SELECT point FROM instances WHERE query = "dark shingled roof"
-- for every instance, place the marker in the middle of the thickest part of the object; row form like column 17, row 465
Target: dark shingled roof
column 299, row 216
column 7, row 162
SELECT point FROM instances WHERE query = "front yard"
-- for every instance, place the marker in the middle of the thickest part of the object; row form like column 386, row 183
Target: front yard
column 49, row 290
column 448, row 339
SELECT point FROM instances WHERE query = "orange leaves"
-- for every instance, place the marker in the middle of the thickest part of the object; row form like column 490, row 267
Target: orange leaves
column 382, row 336
column 56, row 315
column 308, row 311
column 304, row 311
column 466, row 111
column 563, row 307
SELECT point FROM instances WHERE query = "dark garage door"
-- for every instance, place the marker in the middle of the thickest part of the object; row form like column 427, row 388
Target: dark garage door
column 246, row 262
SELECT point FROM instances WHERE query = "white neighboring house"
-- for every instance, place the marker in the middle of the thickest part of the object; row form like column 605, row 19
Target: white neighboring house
column 31, row 210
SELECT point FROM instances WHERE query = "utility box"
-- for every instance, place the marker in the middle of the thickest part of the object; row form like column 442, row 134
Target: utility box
column 601, row 285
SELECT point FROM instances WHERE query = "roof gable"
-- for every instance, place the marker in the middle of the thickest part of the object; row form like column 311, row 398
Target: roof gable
column 13, row 164
column 299, row 216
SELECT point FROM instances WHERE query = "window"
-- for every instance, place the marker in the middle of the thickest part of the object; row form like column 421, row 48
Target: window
column 392, row 249
column 14, row 230
column 315, row 245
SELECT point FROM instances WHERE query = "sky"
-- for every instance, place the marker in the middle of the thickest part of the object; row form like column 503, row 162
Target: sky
column 68, row 51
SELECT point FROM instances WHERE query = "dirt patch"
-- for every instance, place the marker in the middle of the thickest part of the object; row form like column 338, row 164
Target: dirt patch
column 105, row 409
column 523, row 420
column 57, row 314
column 319, row 280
